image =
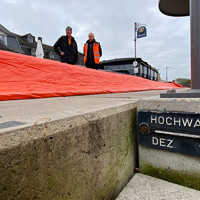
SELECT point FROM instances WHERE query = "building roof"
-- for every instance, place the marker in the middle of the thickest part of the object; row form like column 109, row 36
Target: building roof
column 119, row 61
column 2, row 28
column 174, row 7
column 116, row 60
column 24, row 42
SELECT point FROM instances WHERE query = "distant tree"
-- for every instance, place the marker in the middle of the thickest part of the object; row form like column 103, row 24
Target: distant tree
column 184, row 81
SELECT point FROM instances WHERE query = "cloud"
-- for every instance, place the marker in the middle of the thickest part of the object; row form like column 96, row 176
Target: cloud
column 112, row 22
column 10, row 1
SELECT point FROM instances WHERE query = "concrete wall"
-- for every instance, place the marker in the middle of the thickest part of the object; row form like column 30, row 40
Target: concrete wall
column 174, row 167
column 78, row 156
column 87, row 157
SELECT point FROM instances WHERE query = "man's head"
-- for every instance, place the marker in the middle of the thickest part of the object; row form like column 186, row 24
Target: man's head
column 69, row 31
column 91, row 36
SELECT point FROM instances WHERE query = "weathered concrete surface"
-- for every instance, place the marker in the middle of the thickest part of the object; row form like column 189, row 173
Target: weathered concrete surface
column 174, row 167
column 70, row 148
column 143, row 187
column 38, row 111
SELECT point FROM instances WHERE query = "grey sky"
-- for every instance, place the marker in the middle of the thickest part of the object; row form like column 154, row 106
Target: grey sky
column 167, row 44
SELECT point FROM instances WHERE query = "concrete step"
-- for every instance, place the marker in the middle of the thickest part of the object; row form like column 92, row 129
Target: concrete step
column 143, row 187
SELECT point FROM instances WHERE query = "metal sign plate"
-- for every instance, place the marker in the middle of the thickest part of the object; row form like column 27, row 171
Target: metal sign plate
column 171, row 131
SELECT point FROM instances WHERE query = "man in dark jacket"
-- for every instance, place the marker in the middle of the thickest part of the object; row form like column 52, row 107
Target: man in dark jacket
column 92, row 52
column 66, row 47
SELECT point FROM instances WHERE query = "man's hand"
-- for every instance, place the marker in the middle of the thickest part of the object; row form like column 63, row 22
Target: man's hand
column 62, row 53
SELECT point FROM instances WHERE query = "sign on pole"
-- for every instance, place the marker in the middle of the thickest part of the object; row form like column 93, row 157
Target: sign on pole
column 141, row 32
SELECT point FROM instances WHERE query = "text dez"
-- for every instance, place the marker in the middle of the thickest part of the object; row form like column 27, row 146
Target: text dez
column 162, row 142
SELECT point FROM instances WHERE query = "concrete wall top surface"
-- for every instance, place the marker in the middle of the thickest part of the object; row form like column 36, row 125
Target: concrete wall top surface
column 37, row 111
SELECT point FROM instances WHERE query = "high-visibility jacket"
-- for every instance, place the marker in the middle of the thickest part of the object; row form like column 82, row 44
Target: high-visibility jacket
column 96, row 51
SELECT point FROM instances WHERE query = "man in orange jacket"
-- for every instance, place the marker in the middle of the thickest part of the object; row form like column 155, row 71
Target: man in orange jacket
column 92, row 52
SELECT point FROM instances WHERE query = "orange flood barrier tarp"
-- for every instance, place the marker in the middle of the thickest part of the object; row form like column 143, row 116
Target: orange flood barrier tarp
column 26, row 77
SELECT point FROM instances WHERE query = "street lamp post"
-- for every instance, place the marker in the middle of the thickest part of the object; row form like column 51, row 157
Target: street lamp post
column 186, row 8
column 195, row 43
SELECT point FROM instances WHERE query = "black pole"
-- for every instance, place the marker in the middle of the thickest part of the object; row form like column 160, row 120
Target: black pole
column 135, row 31
column 195, row 45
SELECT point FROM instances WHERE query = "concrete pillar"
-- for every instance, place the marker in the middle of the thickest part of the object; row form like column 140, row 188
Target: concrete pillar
column 195, row 43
